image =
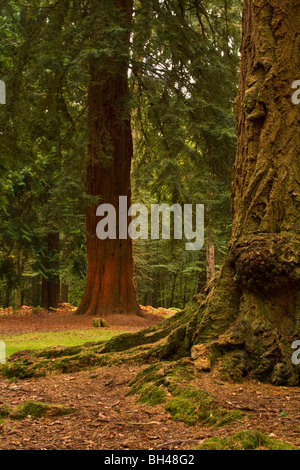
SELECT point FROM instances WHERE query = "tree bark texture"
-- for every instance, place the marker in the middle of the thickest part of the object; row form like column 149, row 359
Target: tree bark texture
column 109, row 287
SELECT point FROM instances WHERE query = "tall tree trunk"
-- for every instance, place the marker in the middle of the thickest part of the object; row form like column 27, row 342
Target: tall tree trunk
column 210, row 256
column 109, row 287
column 64, row 293
column 50, row 284
column 252, row 313
column 202, row 274
column 175, row 275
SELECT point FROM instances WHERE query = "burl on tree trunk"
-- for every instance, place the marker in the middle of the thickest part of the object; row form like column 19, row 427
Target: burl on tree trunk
column 251, row 316
column 109, row 287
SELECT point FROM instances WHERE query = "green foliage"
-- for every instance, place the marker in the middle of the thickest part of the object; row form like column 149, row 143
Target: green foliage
column 183, row 76
column 184, row 81
column 43, row 125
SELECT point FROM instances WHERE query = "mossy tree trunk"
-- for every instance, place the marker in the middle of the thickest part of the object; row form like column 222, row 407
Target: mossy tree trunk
column 109, row 287
column 251, row 316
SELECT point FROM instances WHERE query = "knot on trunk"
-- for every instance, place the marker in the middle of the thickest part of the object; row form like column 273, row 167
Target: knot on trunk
column 267, row 261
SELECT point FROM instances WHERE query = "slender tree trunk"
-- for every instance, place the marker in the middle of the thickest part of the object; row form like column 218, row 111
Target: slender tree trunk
column 51, row 285
column 64, row 292
column 202, row 275
column 109, row 287
column 252, row 313
column 8, row 297
column 210, row 257
column 175, row 275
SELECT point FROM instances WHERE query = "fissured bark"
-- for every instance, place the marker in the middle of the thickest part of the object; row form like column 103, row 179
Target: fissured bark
column 109, row 287
column 251, row 316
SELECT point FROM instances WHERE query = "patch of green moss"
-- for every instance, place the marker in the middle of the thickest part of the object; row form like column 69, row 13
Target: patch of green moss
column 215, row 443
column 36, row 409
column 152, row 374
column 4, row 411
column 65, row 360
column 192, row 405
column 20, row 368
column 245, row 440
column 51, row 353
column 188, row 403
column 182, row 410
column 152, row 395
column 180, row 371
column 130, row 340
column 39, row 409
column 228, row 417
column 161, row 374
column 84, row 360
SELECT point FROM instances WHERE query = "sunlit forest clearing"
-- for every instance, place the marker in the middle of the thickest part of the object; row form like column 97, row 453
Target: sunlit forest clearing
column 149, row 242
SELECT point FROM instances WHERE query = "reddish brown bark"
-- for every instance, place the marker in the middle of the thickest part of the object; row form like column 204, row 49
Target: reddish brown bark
column 109, row 287
column 210, row 259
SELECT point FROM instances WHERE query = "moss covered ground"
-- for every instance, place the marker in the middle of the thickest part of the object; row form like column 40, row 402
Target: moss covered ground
column 245, row 440
column 171, row 385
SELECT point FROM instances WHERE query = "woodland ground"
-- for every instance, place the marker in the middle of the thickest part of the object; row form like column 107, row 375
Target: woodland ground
column 109, row 419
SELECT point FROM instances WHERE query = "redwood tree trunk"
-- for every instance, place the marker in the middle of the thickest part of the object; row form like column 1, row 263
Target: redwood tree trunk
column 251, row 316
column 109, row 287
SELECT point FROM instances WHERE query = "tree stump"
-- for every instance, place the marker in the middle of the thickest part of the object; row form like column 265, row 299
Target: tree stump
column 100, row 323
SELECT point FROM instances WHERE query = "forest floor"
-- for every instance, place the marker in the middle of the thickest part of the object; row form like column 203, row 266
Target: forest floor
column 107, row 418
column 53, row 321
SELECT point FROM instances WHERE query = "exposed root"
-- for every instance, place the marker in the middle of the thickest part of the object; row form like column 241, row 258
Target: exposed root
column 185, row 402
column 232, row 332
